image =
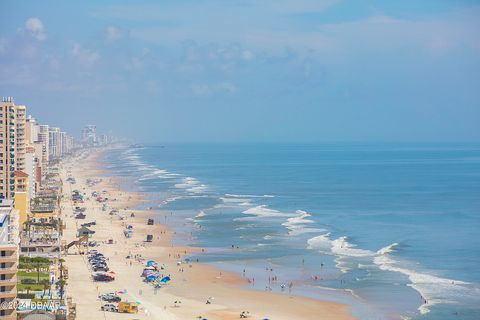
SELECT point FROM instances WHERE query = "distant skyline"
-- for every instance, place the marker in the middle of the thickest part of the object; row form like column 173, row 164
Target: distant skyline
column 244, row 71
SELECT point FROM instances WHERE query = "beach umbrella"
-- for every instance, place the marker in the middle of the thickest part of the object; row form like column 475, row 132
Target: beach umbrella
column 165, row 279
column 150, row 263
column 151, row 278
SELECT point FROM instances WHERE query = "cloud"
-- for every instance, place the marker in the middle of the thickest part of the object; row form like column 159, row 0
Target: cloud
column 35, row 27
column 113, row 33
column 84, row 56
column 206, row 90
column 248, row 55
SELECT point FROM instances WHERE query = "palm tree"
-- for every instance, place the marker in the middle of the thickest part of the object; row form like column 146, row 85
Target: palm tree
column 46, row 285
column 62, row 280
column 28, row 288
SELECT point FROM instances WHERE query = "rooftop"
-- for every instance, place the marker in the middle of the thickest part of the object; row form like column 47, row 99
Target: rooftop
column 20, row 174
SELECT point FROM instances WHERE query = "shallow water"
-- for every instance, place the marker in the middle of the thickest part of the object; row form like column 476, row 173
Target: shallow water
column 395, row 224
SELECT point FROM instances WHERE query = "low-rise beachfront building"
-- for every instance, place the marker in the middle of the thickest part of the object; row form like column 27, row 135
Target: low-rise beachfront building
column 41, row 236
column 8, row 259
column 21, row 197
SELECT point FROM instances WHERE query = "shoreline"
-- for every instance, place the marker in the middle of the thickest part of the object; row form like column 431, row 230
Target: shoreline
column 192, row 283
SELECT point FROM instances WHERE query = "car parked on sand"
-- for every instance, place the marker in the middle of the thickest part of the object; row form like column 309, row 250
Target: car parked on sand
column 102, row 277
column 100, row 268
column 109, row 307
column 110, row 297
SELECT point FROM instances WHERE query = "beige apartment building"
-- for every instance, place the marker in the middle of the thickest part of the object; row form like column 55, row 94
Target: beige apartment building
column 8, row 259
column 7, row 147
column 12, row 144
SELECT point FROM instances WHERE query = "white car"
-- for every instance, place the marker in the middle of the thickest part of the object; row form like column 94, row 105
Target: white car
column 110, row 307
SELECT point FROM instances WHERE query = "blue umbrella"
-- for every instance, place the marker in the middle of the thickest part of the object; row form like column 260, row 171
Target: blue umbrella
column 165, row 279
column 150, row 263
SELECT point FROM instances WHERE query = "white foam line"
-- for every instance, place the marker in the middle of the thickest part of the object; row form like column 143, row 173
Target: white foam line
column 265, row 212
column 433, row 289
column 248, row 196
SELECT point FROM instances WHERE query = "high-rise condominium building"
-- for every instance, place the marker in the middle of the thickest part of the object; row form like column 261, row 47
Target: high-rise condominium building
column 54, row 143
column 31, row 130
column 89, row 135
column 20, row 136
column 43, row 137
column 8, row 144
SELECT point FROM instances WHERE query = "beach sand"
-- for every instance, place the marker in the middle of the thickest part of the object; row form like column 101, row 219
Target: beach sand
column 192, row 287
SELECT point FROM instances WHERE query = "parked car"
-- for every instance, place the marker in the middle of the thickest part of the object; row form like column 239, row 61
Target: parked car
column 98, row 264
column 110, row 297
column 100, row 268
column 109, row 307
column 97, row 260
column 89, row 224
column 95, row 254
column 103, row 277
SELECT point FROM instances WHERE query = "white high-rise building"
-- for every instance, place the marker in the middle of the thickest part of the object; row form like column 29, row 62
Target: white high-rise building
column 89, row 135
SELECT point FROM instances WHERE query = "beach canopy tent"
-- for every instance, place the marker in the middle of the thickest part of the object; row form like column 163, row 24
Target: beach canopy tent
column 151, row 277
column 151, row 263
column 148, row 270
column 84, row 231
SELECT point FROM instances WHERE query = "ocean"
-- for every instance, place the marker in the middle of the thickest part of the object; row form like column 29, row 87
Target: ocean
column 391, row 229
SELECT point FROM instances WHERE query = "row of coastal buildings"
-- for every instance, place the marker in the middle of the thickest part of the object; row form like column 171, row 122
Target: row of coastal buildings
column 30, row 212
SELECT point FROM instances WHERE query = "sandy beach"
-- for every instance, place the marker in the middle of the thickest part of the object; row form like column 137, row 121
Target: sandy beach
column 192, row 283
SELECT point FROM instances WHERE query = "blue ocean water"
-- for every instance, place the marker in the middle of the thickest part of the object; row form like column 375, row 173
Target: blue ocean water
column 391, row 229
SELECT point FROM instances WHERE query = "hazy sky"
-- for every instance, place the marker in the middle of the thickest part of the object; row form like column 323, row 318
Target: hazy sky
column 271, row 70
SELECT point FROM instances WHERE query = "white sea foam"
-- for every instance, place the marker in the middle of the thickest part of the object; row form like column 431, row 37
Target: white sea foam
column 197, row 189
column 191, row 185
column 297, row 224
column 155, row 173
column 388, row 249
column 168, row 200
column 227, row 202
column 342, row 247
column 187, row 182
column 248, row 196
column 172, row 174
column 201, row 214
column 321, row 243
column 265, row 212
column 263, row 244
column 432, row 288
column 234, row 200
